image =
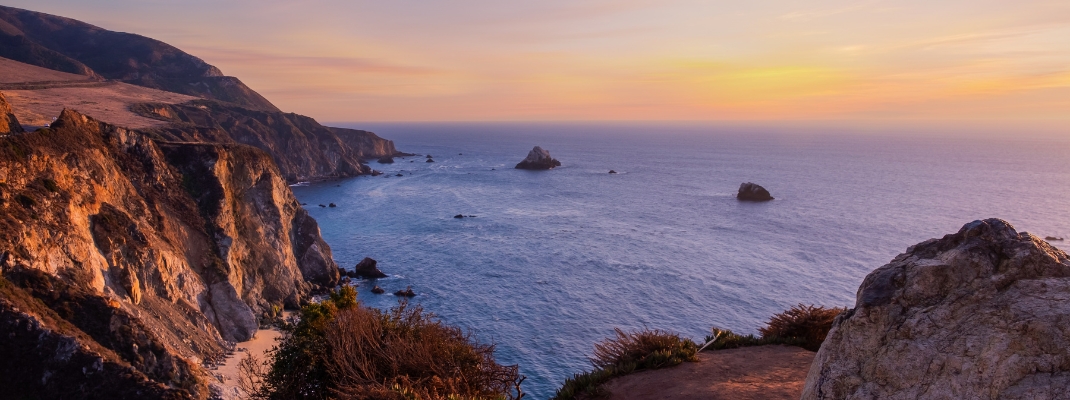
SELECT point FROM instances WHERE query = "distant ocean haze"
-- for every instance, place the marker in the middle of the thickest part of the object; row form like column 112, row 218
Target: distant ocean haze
column 554, row 260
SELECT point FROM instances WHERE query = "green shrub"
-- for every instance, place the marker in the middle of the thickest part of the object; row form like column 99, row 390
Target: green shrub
column 624, row 354
column 725, row 339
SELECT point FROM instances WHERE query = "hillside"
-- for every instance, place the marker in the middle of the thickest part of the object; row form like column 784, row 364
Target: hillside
column 38, row 95
column 302, row 148
column 67, row 45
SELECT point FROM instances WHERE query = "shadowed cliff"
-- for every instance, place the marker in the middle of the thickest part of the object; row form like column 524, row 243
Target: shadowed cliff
column 303, row 149
column 67, row 45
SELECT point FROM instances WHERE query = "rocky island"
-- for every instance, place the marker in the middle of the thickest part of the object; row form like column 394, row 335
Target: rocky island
column 753, row 192
column 538, row 159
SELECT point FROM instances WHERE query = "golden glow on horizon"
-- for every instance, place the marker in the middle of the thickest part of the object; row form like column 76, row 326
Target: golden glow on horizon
column 625, row 60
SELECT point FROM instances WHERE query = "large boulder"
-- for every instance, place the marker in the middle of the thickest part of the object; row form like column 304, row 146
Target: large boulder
column 538, row 159
column 980, row 314
column 753, row 192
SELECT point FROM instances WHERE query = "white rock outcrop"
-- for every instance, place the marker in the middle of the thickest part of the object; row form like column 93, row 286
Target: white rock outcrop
column 980, row 314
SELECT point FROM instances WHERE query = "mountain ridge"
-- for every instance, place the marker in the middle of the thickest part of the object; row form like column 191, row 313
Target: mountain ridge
column 69, row 45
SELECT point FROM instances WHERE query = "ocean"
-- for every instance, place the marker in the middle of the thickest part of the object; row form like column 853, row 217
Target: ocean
column 553, row 261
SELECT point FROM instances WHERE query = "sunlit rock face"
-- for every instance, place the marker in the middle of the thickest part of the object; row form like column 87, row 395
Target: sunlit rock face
column 980, row 314
column 8, row 122
column 160, row 253
column 538, row 159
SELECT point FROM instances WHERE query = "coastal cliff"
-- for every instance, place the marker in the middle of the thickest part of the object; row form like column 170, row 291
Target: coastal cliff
column 303, row 149
column 149, row 254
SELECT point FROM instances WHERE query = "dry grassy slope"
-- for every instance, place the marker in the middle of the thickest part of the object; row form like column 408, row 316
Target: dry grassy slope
column 12, row 71
column 37, row 95
column 65, row 44
column 160, row 252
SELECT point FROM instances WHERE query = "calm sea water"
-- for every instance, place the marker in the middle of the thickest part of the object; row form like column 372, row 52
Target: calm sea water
column 554, row 260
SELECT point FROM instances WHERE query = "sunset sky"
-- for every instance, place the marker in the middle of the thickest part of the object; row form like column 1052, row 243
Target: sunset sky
column 472, row 60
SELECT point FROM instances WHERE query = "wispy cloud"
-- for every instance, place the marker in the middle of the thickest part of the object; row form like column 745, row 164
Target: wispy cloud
column 347, row 64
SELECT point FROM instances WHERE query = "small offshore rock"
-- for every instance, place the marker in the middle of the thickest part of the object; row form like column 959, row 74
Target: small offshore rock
column 366, row 268
column 612, row 171
column 753, row 192
column 429, row 160
column 321, row 205
column 378, row 290
column 1052, row 238
column 428, row 156
column 458, row 216
column 332, row 205
column 399, row 175
column 405, row 293
column 386, row 160
column 538, row 159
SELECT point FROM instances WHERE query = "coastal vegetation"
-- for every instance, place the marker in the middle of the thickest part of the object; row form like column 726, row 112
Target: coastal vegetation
column 804, row 326
column 341, row 349
column 627, row 353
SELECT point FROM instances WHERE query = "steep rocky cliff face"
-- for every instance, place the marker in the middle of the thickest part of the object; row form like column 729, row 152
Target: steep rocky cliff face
column 159, row 253
column 980, row 314
column 64, row 44
column 303, row 149
column 44, row 356
column 8, row 122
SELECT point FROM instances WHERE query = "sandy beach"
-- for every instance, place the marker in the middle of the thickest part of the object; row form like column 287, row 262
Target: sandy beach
column 264, row 340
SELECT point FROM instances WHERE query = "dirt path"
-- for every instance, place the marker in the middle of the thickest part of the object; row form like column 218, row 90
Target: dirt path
column 750, row 373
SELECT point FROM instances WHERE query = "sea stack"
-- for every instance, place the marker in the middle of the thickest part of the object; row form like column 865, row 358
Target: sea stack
column 979, row 314
column 538, row 159
column 753, row 192
column 366, row 268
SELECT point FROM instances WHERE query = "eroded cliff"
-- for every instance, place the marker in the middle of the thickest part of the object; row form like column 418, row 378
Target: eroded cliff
column 159, row 252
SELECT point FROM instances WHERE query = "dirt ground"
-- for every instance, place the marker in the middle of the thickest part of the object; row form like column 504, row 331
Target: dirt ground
column 749, row 373
column 53, row 91
column 264, row 340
